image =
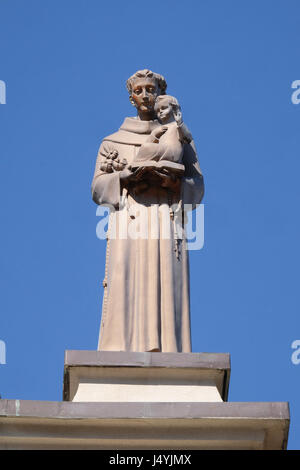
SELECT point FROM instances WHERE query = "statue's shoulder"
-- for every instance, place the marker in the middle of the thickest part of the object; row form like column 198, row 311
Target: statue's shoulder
column 131, row 132
column 113, row 137
column 120, row 136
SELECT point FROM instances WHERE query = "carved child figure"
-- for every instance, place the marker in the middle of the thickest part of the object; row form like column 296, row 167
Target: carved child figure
column 165, row 143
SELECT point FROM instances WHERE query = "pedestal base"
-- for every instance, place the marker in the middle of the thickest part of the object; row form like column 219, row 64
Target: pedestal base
column 91, row 376
column 67, row 425
column 116, row 400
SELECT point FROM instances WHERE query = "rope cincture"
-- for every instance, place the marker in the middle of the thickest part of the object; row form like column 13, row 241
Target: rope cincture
column 105, row 280
column 172, row 217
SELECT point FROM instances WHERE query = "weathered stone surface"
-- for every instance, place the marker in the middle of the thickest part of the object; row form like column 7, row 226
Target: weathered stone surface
column 66, row 425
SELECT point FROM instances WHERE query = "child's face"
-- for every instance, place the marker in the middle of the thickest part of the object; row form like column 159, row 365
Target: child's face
column 163, row 109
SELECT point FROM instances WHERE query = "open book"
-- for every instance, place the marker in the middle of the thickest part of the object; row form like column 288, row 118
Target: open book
column 177, row 168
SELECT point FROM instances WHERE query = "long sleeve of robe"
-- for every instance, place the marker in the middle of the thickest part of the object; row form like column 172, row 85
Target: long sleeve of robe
column 146, row 287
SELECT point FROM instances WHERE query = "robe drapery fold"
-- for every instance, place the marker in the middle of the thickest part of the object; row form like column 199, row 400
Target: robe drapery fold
column 146, row 287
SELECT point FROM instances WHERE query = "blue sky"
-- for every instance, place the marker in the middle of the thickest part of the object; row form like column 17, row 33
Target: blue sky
column 231, row 65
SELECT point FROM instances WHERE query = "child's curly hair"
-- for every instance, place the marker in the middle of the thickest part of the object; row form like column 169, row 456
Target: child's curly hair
column 172, row 100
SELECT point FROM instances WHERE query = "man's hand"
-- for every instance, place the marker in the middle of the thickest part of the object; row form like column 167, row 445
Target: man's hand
column 128, row 176
column 163, row 178
column 168, row 180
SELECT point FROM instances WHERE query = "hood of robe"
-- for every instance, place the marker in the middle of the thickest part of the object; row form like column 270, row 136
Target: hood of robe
column 133, row 131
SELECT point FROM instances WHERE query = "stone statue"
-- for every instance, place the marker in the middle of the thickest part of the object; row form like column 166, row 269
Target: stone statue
column 148, row 165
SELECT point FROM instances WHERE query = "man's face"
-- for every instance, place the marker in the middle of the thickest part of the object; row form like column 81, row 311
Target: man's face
column 144, row 93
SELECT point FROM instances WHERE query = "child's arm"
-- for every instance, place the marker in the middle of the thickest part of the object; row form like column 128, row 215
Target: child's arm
column 156, row 134
column 184, row 134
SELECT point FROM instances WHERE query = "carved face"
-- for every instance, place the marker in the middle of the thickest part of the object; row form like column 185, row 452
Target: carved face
column 143, row 94
column 163, row 109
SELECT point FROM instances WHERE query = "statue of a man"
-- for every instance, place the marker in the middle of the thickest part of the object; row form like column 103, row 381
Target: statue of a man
column 146, row 285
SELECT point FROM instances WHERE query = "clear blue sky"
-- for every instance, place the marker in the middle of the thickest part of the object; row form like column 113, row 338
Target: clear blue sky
column 231, row 65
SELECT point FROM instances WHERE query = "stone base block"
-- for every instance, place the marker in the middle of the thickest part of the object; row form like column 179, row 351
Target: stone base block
column 102, row 376
column 209, row 426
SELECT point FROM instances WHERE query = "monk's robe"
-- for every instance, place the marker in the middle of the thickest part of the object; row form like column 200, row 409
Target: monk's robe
column 146, row 304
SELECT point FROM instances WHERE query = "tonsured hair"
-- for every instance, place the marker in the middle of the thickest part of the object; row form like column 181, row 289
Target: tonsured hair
column 161, row 82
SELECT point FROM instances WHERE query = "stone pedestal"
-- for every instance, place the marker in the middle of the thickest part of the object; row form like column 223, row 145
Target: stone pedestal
column 115, row 400
column 94, row 376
